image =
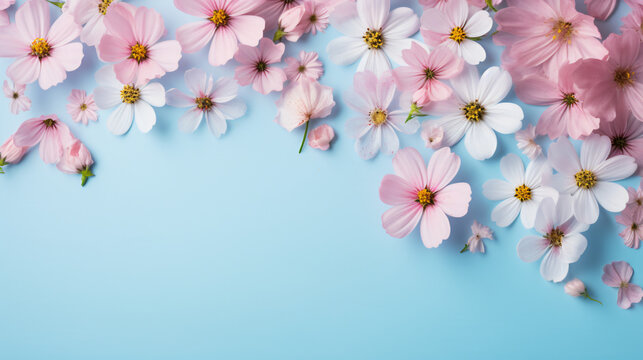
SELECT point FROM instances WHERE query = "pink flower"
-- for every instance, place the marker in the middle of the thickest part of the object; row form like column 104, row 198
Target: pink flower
column 10, row 153
column 600, row 9
column 424, row 71
column 432, row 135
column 576, row 288
column 19, row 102
column 526, row 142
column 441, row 4
column 77, row 160
column 616, row 83
column 132, row 43
column 626, row 134
column 566, row 113
column 256, row 66
column 634, row 21
column 270, row 10
column 90, row 14
column 224, row 24
column 51, row 133
column 635, row 197
column 475, row 243
column 288, row 24
column 44, row 54
column 316, row 16
column 632, row 218
column 307, row 67
column 4, row 17
column 321, row 137
column 423, row 195
column 82, row 107
column 547, row 34
column 618, row 274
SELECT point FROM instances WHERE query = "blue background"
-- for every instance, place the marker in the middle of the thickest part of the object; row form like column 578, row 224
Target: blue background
column 185, row 246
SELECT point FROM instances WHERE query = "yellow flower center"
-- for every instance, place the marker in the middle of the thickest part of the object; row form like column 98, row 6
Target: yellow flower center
column 373, row 38
column 220, row 18
column 555, row 237
column 40, row 48
column 569, row 99
column 102, row 7
column 523, row 193
column 139, row 52
column 378, row 117
column 585, row 179
column 563, row 30
column 130, row 94
column 426, row 197
column 457, row 34
column 624, row 77
column 473, row 111
column 83, row 107
column 204, row 103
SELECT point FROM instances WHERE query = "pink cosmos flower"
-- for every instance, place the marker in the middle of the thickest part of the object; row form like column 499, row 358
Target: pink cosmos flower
column 618, row 274
column 634, row 21
column 19, row 102
column 134, row 47
column 307, row 67
column 288, row 24
column 635, row 197
column 566, row 114
column 256, row 66
column 600, row 9
column 526, row 142
column 217, row 101
column 576, row 288
column 421, row 194
column 626, row 134
column 432, row 135
column 77, row 159
column 44, row 54
column 547, row 34
column 10, row 153
column 90, row 14
column 270, row 10
column 321, row 137
column 616, row 83
column 48, row 131
column 82, row 107
column 4, row 17
column 424, row 71
column 316, row 16
column 632, row 219
column 475, row 243
column 441, row 4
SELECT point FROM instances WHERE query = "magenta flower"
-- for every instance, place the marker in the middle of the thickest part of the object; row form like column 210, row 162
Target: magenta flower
column 19, row 101
column 224, row 24
column 77, row 160
column 4, row 17
column 618, row 274
column 48, row 131
column 82, row 107
column 44, row 54
column 306, row 67
column 10, row 153
column 320, row 137
column 632, row 219
column 626, row 134
column 423, row 195
column 132, row 43
column 256, row 66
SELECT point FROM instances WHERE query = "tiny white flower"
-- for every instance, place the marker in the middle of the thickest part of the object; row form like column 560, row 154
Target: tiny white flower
column 526, row 142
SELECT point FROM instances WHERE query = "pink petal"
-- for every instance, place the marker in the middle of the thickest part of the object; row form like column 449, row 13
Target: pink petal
column 532, row 248
column 166, row 54
column 399, row 221
column 63, row 31
column 454, row 199
column 224, row 46
column 442, row 168
column 12, row 45
column 119, row 20
column 32, row 19
column 29, row 133
column 51, row 147
column 434, row 227
column 126, row 71
column 396, row 191
column 200, row 8
column 195, row 36
column 634, row 293
column 51, row 72
column 148, row 26
column 271, row 52
column 113, row 49
column 25, row 70
column 248, row 29
column 409, row 165
column 69, row 56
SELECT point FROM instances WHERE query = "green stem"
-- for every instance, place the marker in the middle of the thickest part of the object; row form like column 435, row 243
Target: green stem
column 2, row 163
column 585, row 294
column 465, row 248
column 1, row 170
column 490, row 5
column 415, row 112
column 278, row 35
column 303, row 141
column 57, row 3
column 85, row 175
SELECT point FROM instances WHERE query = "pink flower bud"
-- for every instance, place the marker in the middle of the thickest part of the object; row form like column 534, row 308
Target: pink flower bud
column 75, row 159
column 575, row 287
column 432, row 136
column 321, row 137
column 10, row 153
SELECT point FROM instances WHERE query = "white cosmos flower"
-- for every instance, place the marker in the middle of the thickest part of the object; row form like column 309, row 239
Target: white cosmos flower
column 475, row 111
column 560, row 240
column 521, row 193
column 589, row 178
column 373, row 34
column 133, row 101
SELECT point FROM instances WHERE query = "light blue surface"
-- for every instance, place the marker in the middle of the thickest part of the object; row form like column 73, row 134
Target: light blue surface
column 189, row 247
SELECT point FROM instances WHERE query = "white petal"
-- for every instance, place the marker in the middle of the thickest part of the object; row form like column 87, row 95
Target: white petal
column 177, row 98
column 376, row 62
column 512, row 169
column 616, row 168
column 554, row 268
column 190, row 121
column 545, row 216
column 368, row 145
column 346, row 50
column 563, row 157
column 594, row 151
column 346, row 20
column 612, row 197
column 531, row 248
column 465, row 85
column 224, row 90
column 537, row 171
column 397, row 119
column 585, row 206
column 120, row 120
column 454, row 127
column 216, row 122
column 390, row 141
column 107, row 97
column 495, row 189
column 505, row 118
column 528, row 213
column 472, row 52
column 357, row 127
column 478, row 24
column 564, row 209
column 373, row 13
column 394, row 48
column 402, row 23
column 573, row 247
column 106, row 76
column 506, row 212
column 564, row 183
column 145, row 116
column 153, row 94
column 480, row 141
column 233, row 109
column 494, row 86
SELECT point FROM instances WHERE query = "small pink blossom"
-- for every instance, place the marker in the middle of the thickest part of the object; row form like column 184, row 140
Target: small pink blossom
column 271, row 10
column 288, row 24
column 10, row 153
column 316, row 16
column 4, row 16
column 77, row 159
column 635, row 197
column 576, row 288
column 526, row 142
column 306, row 67
column 19, row 101
column 626, row 134
column 634, row 21
column 441, row 4
column 82, row 107
column 600, row 9
column 320, row 137
column 421, row 194
column 632, row 219
column 48, row 131
column 618, row 274
column 479, row 232
column 432, row 135
column 256, row 66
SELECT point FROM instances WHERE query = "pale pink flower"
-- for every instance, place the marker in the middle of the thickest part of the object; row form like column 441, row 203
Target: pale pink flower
column 421, row 194
column 635, row 197
column 77, row 159
column 288, row 24
column 4, row 17
column 131, row 42
column 316, row 16
column 600, row 9
column 626, row 134
column 432, row 135
column 483, row 3
column 441, row 4
column 256, row 66
column 576, row 288
column 216, row 100
column 306, row 67
column 424, row 71
column 320, row 137
column 10, row 153
column 19, row 101
column 618, row 274
column 90, row 14
column 566, row 113
column 475, row 243
column 270, row 10
column 48, row 131
column 632, row 218
column 634, row 21
column 526, row 142
column 44, row 54
column 82, row 107
column 547, row 34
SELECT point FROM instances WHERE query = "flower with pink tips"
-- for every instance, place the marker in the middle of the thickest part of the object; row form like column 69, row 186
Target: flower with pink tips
column 632, row 219
column 77, row 159
column 526, row 142
column 90, row 14
column 306, row 67
column 320, row 137
column 48, row 131
column 618, row 274
column 135, row 48
column 82, row 107
column 424, row 195
column 256, row 66
column 10, row 153
column 43, row 53
column 4, row 16
column 19, row 101
column 479, row 233
column 626, row 134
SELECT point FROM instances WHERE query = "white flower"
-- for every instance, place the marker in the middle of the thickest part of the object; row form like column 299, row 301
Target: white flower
column 475, row 111
column 561, row 240
column 133, row 100
column 589, row 178
column 373, row 34
column 526, row 142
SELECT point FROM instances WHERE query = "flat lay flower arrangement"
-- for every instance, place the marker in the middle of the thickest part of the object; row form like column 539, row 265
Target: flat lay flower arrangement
column 590, row 88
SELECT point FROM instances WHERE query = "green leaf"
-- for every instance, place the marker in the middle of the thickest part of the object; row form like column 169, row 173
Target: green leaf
column 85, row 175
column 1, row 170
column 57, row 3
column 278, row 35
column 490, row 5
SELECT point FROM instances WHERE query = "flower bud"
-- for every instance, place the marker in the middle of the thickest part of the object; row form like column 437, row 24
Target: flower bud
column 575, row 287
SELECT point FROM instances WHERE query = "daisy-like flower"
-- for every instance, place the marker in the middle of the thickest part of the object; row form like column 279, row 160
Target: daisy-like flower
column 432, row 135
column 476, row 111
column 316, row 15
column 373, row 34
column 457, row 28
column 475, row 243
column 82, row 107
column 135, row 49
column 632, row 219
column 375, row 128
column 19, row 101
column 10, row 153
column 560, row 241
column 44, row 54
column 421, row 194
column 635, row 197
column 134, row 101
column 256, row 66
column 589, row 179
column 270, row 10
column 48, row 131
column 521, row 194
column 600, row 9
column 424, row 71
column 626, row 134
column 618, row 274
column 90, row 14
column 634, row 21
column 320, row 137
column 576, row 288
column 77, row 160
column 306, row 67
column 216, row 100
column 526, row 142
column 4, row 17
